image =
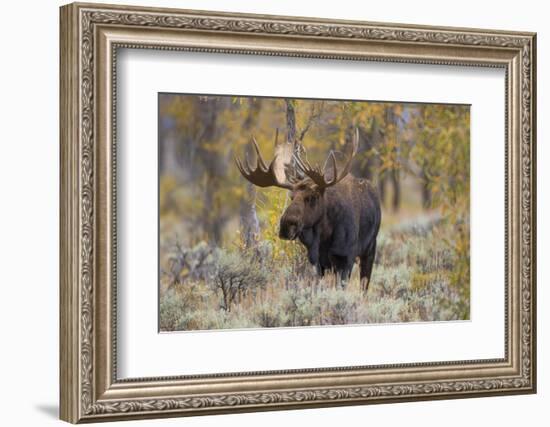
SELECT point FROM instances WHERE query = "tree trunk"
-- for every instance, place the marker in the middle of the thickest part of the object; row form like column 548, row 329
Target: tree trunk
column 396, row 189
column 250, row 226
column 291, row 134
column 215, row 166
column 290, row 122
column 382, row 189
column 426, row 193
column 392, row 118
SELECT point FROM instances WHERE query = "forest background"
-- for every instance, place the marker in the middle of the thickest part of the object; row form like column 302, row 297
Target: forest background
column 221, row 263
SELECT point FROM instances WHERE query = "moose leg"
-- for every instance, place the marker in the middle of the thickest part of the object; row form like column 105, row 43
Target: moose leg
column 325, row 266
column 313, row 254
column 367, row 261
column 339, row 254
column 342, row 269
column 338, row 282
column 310, row 238
column 346, row 272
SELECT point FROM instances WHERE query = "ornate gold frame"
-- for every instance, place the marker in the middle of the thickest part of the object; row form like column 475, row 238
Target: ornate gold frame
column 90, row 36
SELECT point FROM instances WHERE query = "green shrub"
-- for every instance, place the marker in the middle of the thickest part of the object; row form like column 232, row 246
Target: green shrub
column 238, row 274
column 269, row 316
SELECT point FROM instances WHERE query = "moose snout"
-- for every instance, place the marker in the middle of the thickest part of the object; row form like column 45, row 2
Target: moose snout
column 289, row 229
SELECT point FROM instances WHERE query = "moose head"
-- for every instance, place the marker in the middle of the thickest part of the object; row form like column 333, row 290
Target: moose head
column 307, row 184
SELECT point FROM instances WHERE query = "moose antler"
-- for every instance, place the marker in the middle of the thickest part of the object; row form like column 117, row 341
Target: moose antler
column 317, row 175
column 262, row 175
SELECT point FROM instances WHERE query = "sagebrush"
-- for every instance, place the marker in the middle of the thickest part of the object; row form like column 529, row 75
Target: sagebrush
column 418, row 276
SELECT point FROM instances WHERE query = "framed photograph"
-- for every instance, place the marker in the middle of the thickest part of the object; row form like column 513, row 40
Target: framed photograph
column 266, row 212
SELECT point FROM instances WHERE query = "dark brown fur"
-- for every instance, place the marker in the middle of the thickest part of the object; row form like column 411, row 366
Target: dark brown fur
column 337, row 225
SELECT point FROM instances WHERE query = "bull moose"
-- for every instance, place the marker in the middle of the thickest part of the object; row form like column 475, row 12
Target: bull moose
column 335, row 216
